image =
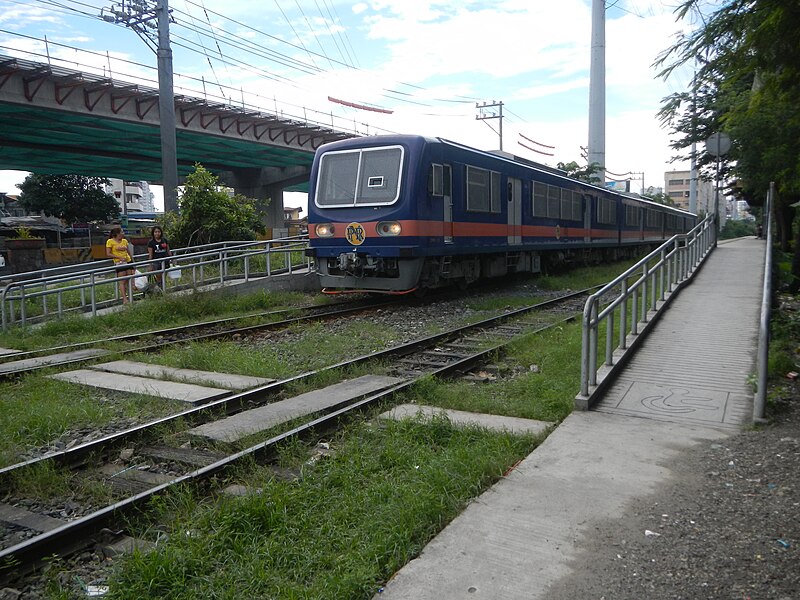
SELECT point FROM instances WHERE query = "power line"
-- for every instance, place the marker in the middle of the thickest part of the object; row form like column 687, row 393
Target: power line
column 311, row 29
column 346, row 37
column 297, row 37
column 192, row 24
column 210, row 65
column 327, row 25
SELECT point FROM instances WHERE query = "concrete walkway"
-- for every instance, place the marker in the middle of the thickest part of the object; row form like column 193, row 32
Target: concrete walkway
column 687, row 385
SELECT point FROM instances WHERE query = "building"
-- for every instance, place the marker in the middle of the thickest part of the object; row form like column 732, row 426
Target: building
column 676, row 188
column 293, row 223
column 147, row 198
column 129, row 194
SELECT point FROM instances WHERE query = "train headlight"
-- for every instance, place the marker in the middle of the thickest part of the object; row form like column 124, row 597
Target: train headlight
column 324, row 230
column 389, row 228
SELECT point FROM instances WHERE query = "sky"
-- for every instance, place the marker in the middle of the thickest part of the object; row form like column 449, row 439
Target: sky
column 408, row 66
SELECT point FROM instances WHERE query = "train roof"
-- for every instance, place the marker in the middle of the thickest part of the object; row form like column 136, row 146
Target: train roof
column 496, row 154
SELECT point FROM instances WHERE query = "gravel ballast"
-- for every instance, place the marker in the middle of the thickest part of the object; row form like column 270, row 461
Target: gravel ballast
column 726, row 525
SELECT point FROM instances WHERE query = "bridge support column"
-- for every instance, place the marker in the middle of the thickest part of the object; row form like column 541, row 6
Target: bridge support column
column 266, row 184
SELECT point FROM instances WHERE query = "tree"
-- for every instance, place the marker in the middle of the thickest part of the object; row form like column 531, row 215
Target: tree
column 659, row 197
column 209, row 214
column 748, row 85
column 71, row 198
column 575, row 171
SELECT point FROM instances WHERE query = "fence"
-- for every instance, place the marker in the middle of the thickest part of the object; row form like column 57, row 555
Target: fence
column 760, row 401
column 33, row 297
column 626, row 305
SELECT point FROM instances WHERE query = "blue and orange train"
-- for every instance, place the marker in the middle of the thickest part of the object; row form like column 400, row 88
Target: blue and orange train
column 395, row 214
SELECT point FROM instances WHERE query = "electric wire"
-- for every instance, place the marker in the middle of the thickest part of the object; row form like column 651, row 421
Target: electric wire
column 296, row 35
column 330, row 31
column 248, row 46
column 314, row 33
column 208, row 59
column 345, row 39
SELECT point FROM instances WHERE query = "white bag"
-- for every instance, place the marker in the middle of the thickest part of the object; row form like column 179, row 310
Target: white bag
column 140, row 281
column 174, row 274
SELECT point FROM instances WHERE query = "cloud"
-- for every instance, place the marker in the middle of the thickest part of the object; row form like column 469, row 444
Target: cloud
column 20, row 17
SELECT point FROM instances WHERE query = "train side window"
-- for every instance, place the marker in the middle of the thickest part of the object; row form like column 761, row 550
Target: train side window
column 483, row 190
column 633, row 216
column 577, row 207
column 553, row 201
column 495, row 192
column 570, row 206
column 539, row 199
column 447, row 180
column 436, row 180
column 605, row 212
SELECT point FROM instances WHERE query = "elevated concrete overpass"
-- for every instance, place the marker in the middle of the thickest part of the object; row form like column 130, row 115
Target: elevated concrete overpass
column 56, row 120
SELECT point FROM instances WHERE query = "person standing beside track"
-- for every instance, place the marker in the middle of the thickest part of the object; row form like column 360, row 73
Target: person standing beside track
column 117, row 250
column 158, row 247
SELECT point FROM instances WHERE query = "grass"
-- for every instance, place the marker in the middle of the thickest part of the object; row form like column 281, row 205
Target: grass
column 339, row 531
column 546, row 393
column 148, row 314
column 351, row 520
column 37, row 411
column 314, row 348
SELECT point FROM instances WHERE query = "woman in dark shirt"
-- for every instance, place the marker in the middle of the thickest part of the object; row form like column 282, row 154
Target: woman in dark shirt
column 158, row 247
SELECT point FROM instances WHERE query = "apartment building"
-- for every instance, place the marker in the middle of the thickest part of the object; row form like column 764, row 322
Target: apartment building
column 677, row 189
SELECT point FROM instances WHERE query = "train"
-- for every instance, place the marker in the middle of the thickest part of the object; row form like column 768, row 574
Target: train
column 399, row 214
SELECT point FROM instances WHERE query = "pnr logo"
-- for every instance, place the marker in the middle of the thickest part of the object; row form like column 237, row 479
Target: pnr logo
column 355, row 234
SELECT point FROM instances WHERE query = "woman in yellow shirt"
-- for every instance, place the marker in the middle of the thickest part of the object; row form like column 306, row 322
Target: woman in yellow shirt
column 117, row 250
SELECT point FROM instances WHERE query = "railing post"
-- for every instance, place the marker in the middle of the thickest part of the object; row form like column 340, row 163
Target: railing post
column 22, row 309
column 3, row 307
column 662, row 274
column 645, row 277
column 593, row 344
column 93, row 294
column 635, row 312
column 585, row 349
column 623, row 315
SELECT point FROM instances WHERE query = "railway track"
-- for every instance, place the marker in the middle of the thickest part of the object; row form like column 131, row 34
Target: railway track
column 23, row 363
column 456, row 351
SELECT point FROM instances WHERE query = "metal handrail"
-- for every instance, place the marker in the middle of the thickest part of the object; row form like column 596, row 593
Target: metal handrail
column 75, row 268
column 205, row 267
column 658, row 276
column 760, row 401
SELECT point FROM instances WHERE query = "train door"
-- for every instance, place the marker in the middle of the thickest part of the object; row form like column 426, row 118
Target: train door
column 587, row 217
column 514, row 210
column 447, row 189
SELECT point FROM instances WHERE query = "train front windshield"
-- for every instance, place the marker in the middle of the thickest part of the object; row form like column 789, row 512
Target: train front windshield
column 360, row 177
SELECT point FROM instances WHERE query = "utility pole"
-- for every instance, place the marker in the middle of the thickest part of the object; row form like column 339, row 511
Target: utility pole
column 139, row 16
column 597, row 91
column 485, row 112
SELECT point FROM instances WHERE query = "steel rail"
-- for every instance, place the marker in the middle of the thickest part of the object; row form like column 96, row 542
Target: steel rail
column 200, row 337
column 231, row 404
column 77, row 534
column 177, row 329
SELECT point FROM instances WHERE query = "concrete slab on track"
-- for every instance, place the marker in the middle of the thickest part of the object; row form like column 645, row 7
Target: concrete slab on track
column 228, row 381
column 185, row 392
column 51, row 359
column 464, row 418
column 15, row 515
column 260, row 419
